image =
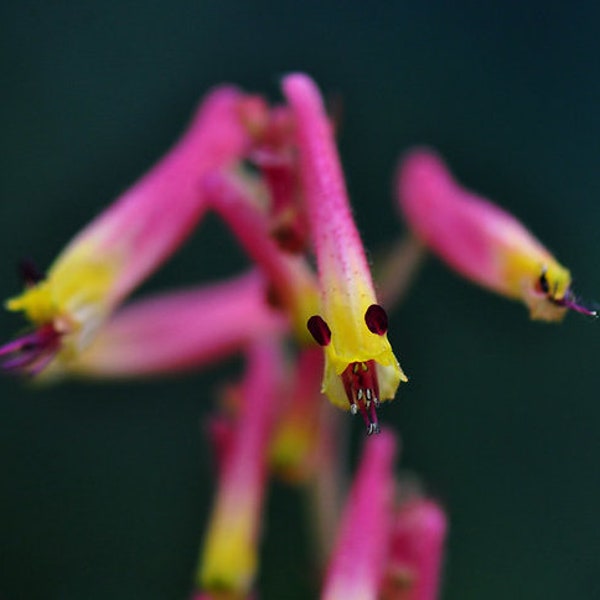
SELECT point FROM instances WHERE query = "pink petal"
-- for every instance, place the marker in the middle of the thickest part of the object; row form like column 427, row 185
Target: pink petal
column 356, row 568
column 230, row 555
column 467, row 231
column 289, row 275
column 181, row 330
column 416, row 555
column 150, row 220
column 334, row 234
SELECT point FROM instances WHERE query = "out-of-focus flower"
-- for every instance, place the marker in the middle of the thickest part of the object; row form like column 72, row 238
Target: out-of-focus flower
column 416, row 551
column 115, row 252
column 357, row 565
column 480, row 240
column 274, row 154
column 291, row 281
column 294, row 451
column 229, row 558
column 181, row 330
column 360, row 367
column 275, row 418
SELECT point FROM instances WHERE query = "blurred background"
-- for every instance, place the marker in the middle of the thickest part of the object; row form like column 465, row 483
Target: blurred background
column 106, row 488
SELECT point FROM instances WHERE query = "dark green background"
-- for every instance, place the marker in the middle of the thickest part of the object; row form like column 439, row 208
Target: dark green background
column 105, row 490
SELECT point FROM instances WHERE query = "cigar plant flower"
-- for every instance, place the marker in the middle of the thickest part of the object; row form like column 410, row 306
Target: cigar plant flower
column 360, row 367
column 273, row 176
column 123, row 245
column 482, row 241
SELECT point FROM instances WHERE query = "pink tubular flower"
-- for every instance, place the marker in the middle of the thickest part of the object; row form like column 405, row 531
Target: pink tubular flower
column 294, row 448
column 416, row 552
column 480, row 240
column 179, row 330
column 228, row 560
column 291, row 281
column 360, row 367
column 124, row 244
column 357, row 566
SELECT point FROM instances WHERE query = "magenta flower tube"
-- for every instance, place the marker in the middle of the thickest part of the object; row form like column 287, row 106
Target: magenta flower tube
column 360, row 367
column 289, row 275
column 480, row 240
column 357, row 566
column 416, row 553
column 181, row 330
column 229, row 557
column 123, row 245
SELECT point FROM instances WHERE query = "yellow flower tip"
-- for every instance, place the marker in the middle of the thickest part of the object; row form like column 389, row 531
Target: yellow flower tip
column 361, row 370
column 229, row 560
column 545, row 287
column 76, row 289
column 291, row 454
column 36, row 303
column 482, row 241
column 65, row 309
column 546, row 300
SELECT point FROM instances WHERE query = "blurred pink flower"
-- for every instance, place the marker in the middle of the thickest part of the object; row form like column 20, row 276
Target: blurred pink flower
column 357, row 565
column 480, row 240
column 273, row 176
column 229, row 557
column 123, row 245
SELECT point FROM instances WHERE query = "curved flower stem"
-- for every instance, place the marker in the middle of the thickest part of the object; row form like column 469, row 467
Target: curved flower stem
column 397, row 270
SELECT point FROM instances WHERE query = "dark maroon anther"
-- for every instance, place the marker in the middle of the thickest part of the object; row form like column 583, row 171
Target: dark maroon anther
column 29, row 273
column 319, row 330
column 376, row 319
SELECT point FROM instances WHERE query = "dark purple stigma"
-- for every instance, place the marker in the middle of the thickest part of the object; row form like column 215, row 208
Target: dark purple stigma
column 30, row 353
column 570, row 301
column 362, row 390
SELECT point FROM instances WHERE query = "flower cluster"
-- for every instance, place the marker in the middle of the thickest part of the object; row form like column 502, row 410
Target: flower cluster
column 306, row 317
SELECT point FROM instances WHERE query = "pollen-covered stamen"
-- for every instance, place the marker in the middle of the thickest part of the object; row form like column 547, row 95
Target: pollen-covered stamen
column 362, row 391
column 376, row 319
column 31, row 352
column 319, row 330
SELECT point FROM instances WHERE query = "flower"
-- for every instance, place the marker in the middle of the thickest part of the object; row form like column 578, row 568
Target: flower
column 122, row 246
column 180, row 330
column 292, row 282
column 360, row 367
column 416, row 551
column 229, row 558
column 293, row 452
column 385, row 547
column 480, row 240
column 358, row 561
